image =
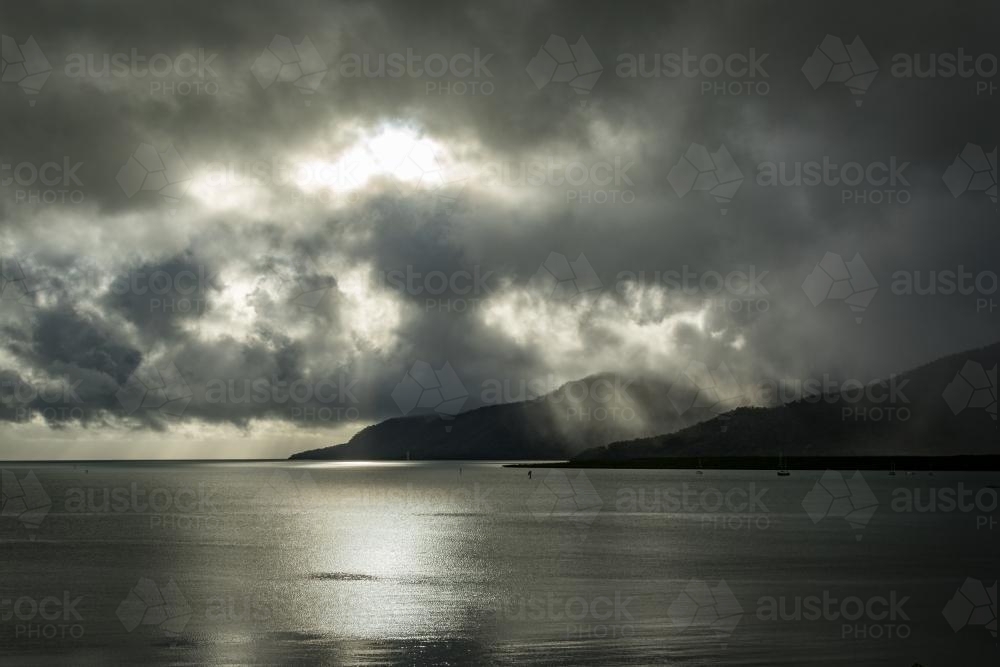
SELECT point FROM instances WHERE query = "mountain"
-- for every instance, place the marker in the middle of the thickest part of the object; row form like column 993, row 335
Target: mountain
column 945, row 408
column 649, row 418
column 582, row 414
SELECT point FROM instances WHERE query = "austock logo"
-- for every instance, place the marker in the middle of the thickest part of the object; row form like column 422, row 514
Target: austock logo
column 453, row 291
column 949, row 282
column 598, row 617
column 974, row 387
column 559, row 62
column 834, row 497
column 876, row 617
column 981, row 503
column 974, row 170
column 149, row 604
column 973, row 605
column 745, row 73
column 730, row 292
column 585, row 181
column 700, row 387
column 424, row 387
column 833, row 62
column 49, row 617
column 875, row 401
column 19, row 287
column 330, row 398
column 701, row 171
column 711, row 607
column 876, row 183
column 717, row 609
column 736, row 508
column 979, row 68
column 300, row 65
column 149, row 388
column 181, row 508
column 470, row 73
column 307, row 286
column 150, row 170
column 23, row 64
column 574, row 282
column 598, row 398
column 181, row 74
column 51, row 401
column 834, row 279
column 283, row 488
column 23, row 500
column 50, row 182
column 559, row 497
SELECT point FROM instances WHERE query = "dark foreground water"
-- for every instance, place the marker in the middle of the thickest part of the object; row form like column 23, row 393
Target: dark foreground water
column 334, row 564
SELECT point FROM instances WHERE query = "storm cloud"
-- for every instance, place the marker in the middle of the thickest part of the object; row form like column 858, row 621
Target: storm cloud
column 254, row 219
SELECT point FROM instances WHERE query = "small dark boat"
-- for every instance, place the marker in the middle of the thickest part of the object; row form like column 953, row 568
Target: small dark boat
column 782, row 470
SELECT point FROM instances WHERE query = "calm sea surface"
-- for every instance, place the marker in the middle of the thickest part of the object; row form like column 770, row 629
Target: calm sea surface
column 448, row 563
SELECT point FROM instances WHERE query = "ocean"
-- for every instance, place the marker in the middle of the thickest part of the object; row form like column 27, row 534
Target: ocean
column 277, row 563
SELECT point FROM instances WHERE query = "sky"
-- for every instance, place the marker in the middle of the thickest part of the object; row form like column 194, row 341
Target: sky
column 246, row 229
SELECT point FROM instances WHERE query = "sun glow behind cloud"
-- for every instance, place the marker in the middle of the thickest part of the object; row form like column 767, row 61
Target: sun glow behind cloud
column 333, row 172
column 390, row 153
column 358, row 160
column 360, row 319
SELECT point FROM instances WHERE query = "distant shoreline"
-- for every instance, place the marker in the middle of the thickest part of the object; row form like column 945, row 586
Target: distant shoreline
column 902, row 464
column 960, row 463
column 269, row 460
column 76, row 461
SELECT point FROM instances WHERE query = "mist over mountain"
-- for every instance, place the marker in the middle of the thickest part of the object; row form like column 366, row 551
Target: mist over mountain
column 942, row 408
column 556, row 425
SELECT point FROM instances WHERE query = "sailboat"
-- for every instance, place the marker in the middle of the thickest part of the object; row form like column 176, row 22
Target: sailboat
column 699, row 471
column 782, row 470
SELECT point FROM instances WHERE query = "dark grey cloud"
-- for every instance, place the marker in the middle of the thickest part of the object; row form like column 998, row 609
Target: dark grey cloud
column 349, row 284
